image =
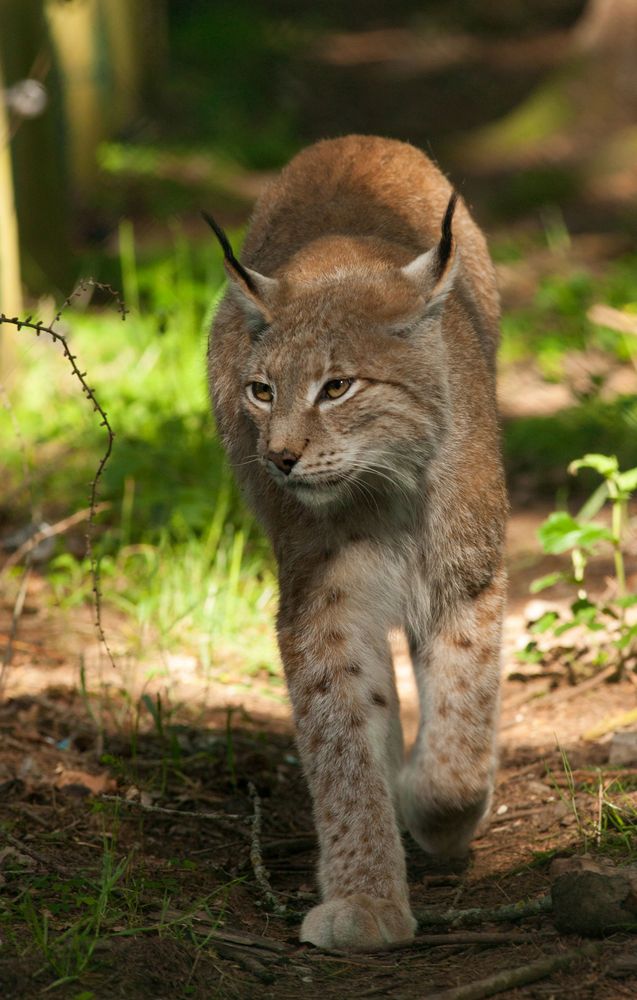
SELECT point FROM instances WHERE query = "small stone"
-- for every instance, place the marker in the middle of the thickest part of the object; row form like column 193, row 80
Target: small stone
column 592, row 897
column 539, row 788
column 623, row 749
column 501, row 810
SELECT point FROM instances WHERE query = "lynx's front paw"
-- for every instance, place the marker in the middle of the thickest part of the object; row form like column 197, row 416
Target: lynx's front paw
column 358, row 923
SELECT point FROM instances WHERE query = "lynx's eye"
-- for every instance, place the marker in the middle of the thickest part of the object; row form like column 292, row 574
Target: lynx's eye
column 261, row 391
column 335, row 387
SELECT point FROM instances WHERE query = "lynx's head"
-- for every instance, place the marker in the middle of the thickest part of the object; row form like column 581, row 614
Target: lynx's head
column 345, row 381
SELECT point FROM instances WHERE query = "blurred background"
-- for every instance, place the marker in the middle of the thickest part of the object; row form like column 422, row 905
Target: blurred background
column 121, row 119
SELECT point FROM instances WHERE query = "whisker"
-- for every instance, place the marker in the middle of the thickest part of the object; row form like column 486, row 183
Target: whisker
column 398, row 481
column 248, row 461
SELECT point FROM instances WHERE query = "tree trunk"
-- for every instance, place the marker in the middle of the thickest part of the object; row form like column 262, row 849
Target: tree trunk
column 36, row 151
column 109, row 51
column 10, row 284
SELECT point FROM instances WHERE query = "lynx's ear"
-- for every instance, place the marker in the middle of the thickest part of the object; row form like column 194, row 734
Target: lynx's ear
column 252, row 291
column 433, row 272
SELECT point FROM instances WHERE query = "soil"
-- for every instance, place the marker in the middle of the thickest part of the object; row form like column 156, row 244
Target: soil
column 81, row 776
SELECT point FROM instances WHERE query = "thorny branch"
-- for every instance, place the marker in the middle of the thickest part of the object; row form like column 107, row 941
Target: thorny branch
column 509, row 979
column 217, row 817
column 476, row 915
column 39, row 327
column 256, row 857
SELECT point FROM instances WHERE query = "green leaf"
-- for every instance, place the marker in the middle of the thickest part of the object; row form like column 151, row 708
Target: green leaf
column 565, row 627
column 557, row 527
column 582, row 604
column 627, row 481
column 601, row 658
column 561, row 532
column 530, row 653
column 627, row 638
column 543, row 582
column 545, row 622
column 585, row 613
column 606, row 465
column 628, row 601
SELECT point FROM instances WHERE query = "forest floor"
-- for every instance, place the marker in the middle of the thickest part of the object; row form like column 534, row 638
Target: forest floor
column 129, row 858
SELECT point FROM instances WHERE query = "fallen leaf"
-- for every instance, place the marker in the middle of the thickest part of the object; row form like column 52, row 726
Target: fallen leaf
column 83, row 783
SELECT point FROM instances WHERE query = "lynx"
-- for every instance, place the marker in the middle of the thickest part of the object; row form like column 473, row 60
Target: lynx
column 352, row 376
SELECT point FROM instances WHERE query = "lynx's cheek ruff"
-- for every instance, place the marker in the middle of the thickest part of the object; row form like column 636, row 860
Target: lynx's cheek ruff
column 352, row 372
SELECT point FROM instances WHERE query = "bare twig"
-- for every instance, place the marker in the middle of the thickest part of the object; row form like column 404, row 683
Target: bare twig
column 566, row 693
column 47, row 862
column 217, row 817
column 610, row 724
column 243, row 940
column 244, row 958
column 486, row 939
column 478, row 915
column 549, row 697
column 614, row 319
column 49, row 531
column 15, row 618
column 294, row 845
column 509, row 979
column 230, row 935
column 256, row 858
column 27, row 647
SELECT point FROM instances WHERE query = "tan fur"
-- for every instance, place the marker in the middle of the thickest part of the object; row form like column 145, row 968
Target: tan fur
column 392, row 515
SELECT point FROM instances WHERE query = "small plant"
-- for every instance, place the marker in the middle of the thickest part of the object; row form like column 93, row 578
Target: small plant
column 583, row 537
column 603, row 808
column 70, row 952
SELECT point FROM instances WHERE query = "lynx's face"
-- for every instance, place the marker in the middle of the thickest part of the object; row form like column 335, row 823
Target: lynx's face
column 346, row 380
column 334, row 389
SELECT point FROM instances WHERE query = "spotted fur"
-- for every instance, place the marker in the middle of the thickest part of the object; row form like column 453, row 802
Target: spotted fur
column 385, row 506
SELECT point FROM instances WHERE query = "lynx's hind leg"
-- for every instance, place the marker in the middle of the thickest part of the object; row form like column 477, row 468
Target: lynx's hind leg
column 446, row 787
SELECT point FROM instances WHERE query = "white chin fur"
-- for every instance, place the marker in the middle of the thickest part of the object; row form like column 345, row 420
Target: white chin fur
column 315, row 496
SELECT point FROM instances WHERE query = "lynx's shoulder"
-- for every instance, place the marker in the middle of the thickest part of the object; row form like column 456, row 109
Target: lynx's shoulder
column 367, row 185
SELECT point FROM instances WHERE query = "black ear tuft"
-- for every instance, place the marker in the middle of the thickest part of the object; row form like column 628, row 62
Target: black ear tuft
column 445, row 245
column 238, row 268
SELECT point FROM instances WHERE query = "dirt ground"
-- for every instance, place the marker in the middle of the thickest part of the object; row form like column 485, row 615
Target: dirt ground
column 176, row 797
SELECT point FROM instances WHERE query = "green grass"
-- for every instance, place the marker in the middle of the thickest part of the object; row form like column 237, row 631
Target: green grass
column 181, row 559
column 604, row 811
column 552, row 333
column 180, row 556
column 71, row 923
column 542, row 446
column 555, row 322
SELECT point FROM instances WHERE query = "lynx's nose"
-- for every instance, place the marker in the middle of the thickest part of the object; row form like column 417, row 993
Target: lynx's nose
column 284, row 460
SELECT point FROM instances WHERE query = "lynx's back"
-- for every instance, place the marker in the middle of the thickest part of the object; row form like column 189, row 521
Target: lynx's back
column 365, row 186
